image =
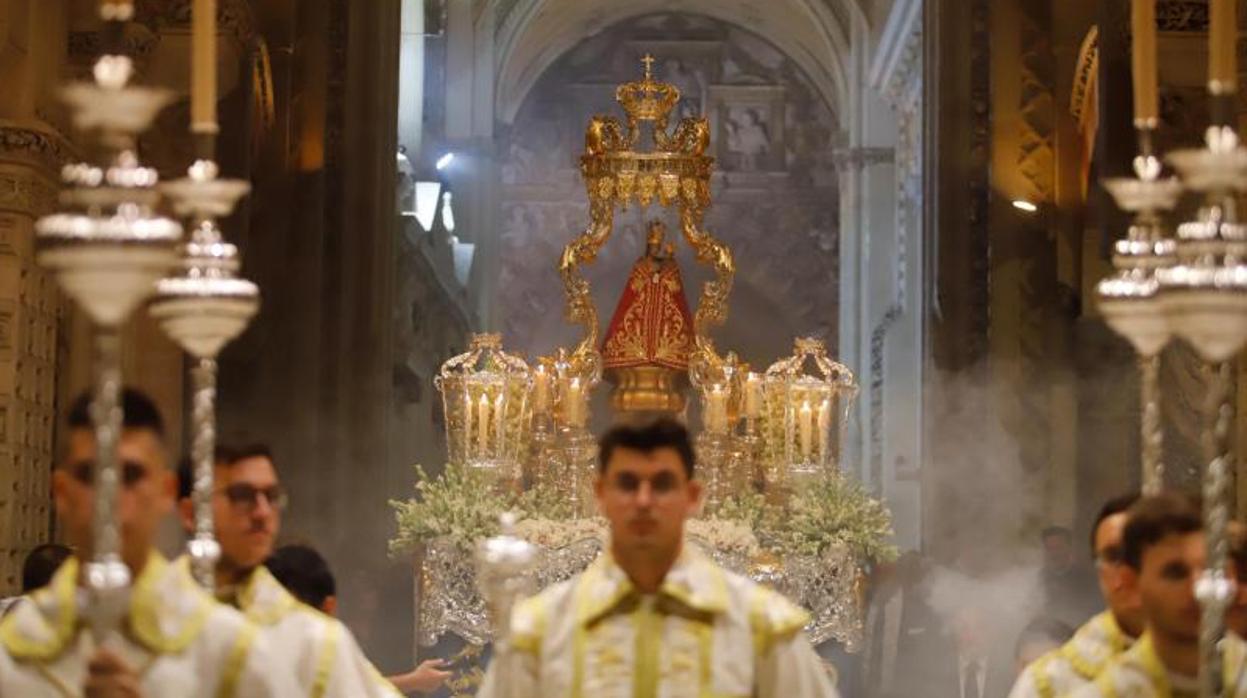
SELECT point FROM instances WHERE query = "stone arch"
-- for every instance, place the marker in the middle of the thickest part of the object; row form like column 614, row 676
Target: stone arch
column 533, row 34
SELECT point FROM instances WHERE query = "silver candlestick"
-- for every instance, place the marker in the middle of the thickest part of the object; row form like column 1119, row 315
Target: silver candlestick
column 106, row 249
column 203, row 308
column 1205, row 298
column 502, row 562
column 1128, row 298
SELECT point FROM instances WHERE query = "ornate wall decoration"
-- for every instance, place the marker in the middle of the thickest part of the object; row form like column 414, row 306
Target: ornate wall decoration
column 235, row 18
column 775, row 195
column 1182, row 15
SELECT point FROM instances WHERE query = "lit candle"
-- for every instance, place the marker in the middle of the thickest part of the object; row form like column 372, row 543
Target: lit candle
column 203, row 67
column 805, row 422
column 500, row 431
column 753, row 395
column 574, row 403
column 467, row 424
column 541, row 389
column 1143, row 62
column 1222, row 41
column 824, row 429
column 482, row 425
column 716, row 409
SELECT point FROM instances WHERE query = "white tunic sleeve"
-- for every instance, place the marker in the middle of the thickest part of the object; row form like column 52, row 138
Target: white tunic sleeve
column 512, row 673
column 791, row 669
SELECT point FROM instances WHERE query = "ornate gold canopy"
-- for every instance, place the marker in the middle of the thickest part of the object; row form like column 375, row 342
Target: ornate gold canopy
column 675, row 171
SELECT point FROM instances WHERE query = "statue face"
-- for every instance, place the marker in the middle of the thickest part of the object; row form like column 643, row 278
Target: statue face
column 646, row 497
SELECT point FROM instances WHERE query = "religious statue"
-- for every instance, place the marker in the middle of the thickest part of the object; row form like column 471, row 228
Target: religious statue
column 649, row 339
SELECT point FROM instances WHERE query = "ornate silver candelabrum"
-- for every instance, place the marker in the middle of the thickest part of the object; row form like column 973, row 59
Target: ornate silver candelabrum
column 501, row 566
column 1129, row 298
column 203, row 308
column 1204, row 295
column 106, row 249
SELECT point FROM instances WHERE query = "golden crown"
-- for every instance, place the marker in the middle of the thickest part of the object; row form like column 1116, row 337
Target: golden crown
column 647, row 99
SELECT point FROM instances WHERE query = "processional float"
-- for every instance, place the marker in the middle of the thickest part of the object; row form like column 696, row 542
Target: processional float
column 525, row 425
column 1193, row 287
column 109, row 250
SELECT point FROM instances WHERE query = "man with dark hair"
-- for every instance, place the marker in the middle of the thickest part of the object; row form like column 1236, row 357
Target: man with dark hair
column 652, row 616
column 247, row 501
column 41, row 563
column 1067, row 583
column 37, row 570
column 177, row 641
column 1163, row 551
column 1105, row 636
column 306, row 574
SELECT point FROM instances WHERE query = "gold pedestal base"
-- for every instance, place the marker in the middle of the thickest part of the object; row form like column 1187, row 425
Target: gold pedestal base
column 647, row 389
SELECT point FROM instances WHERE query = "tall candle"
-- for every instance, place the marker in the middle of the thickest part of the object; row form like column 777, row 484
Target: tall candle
column 541, row 389
column 716, row 409
column 500, row 429
column 467, row 424
column 1222, row 45
column 203, row 67
column 805, row 422
column 753, row 395
column 574, row 406
column 482, row 425
column 824, row 429
column 1143, row 62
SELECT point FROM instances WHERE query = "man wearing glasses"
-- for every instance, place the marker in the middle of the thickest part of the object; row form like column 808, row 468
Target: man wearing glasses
column 652, row 616
column 247, row 502
column 175, row 640
column 1105, row 636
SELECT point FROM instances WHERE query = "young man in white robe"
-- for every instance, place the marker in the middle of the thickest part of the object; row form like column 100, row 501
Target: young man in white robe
column 1164, row 550
column 653, row 616
column 174, row 640
column 247, row 501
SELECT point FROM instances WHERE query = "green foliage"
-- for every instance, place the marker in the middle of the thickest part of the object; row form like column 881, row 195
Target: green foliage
column 834, row 510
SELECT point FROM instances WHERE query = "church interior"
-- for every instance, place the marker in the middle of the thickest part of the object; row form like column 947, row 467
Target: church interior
column 912, row 193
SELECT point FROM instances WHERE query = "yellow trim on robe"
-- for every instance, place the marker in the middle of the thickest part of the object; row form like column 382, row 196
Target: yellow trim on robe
column 324, row 663
column 236, row 661
column 42, row 630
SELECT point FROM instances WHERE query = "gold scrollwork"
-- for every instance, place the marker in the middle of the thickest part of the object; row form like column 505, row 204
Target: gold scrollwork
column 677, row 172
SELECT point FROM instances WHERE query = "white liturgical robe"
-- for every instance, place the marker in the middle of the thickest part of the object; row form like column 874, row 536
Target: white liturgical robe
column 1076, row 663
column 180, row 641
column 707, row 633
column 1139, row 673
column 323, row 654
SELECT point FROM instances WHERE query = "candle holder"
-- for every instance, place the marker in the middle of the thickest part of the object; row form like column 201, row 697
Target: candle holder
column 202, row 309
column 804, row 415
column 1129, row 298
column 106, row 250
column 485, row 393
column 578, row 454
column 1204, row 295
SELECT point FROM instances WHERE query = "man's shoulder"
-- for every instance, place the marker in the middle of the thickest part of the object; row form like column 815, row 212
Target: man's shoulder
column 771, row 615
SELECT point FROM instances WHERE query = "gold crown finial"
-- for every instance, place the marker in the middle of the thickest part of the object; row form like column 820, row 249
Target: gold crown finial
column 647, row 99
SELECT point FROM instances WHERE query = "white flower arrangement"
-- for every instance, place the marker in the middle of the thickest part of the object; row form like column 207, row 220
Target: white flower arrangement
column 463, row 505
column 734, row 537
column 554, row 533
